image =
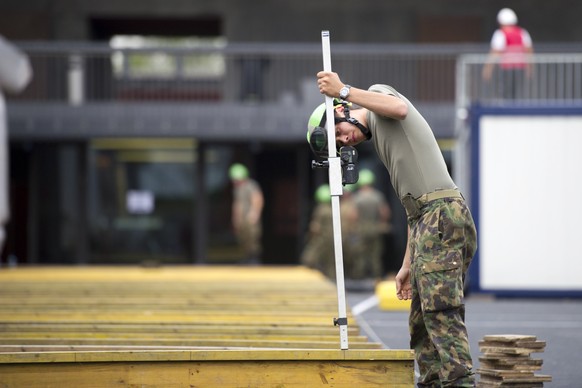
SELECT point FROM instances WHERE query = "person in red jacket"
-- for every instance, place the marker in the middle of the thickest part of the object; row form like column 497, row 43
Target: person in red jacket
column 511, row 46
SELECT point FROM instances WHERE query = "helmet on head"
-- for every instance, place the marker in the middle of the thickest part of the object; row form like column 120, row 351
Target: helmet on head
column 238, row 171
column 349, row 188
column 323, row 194
column 506, row 17
column 367, row 177
column 317, row 133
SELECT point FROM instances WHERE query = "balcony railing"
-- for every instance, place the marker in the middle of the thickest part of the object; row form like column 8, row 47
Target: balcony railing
column 539, row 79
column 79, row 74
column 270, row 87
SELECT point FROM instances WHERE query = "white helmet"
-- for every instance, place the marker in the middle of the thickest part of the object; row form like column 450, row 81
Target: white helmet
column 506, row 17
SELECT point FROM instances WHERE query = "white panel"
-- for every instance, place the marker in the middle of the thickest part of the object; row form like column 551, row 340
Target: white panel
column 530, row 214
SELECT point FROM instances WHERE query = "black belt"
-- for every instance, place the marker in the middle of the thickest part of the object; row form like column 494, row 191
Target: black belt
column 414, row 205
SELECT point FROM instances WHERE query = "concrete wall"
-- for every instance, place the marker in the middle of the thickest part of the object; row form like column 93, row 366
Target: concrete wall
column 301, row 21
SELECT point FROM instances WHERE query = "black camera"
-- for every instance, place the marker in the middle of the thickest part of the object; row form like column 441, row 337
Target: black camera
column 349, row 159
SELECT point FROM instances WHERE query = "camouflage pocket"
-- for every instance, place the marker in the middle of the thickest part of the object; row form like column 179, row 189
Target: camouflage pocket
column 411, row 206
column 440, row 285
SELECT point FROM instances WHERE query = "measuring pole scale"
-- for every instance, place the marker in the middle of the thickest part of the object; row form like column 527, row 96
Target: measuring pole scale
column 342, row 169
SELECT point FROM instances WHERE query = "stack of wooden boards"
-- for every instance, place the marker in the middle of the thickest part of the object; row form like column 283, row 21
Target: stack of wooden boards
column 226, row 326
column 506, row 361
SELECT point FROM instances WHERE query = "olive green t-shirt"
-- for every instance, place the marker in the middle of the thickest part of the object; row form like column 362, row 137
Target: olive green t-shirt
column 409, row 150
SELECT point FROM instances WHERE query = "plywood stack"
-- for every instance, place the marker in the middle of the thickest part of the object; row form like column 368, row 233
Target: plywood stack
column 187, row 326
column 506, row 361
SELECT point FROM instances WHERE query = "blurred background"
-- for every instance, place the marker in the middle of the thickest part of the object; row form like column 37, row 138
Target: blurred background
column 119, row 147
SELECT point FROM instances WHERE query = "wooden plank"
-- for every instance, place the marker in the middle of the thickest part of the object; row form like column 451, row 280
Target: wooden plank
column 510, row 338
column 339, row 374
column 254, row 343
column 503, row 351
column 494, row 384
column 515, row 378
column 44, row 348
column 523, row 345
column 279, row 275
column 211, row 368
column 189, row 336
column 131, row 303
column 154, row 327
column 526, row 365
column 227, row 354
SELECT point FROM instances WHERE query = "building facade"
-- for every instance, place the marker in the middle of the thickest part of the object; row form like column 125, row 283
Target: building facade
column 119, row 147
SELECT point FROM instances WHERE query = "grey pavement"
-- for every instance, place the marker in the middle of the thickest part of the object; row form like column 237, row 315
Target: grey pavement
column 556, row 321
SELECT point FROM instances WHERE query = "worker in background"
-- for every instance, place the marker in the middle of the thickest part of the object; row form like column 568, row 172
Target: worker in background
column 374, row 221
column 319, row 249
column 15, row 74
column 247, row 209
column 352, row 248
column 511, row 46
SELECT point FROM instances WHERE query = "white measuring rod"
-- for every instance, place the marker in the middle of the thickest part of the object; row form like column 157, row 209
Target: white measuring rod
column 335, row 184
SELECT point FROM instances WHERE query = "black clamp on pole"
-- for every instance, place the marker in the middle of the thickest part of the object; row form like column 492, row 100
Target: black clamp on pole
column 340, row 321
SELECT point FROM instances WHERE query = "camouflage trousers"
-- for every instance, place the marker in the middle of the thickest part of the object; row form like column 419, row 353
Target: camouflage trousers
column 442, row 242
column 249, row 238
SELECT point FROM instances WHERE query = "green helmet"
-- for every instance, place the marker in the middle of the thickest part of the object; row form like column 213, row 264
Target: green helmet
column 367, row 177
column 238, row 171
column 317, row 119
column 323, row 194
column 349, row 188
column 317, row 133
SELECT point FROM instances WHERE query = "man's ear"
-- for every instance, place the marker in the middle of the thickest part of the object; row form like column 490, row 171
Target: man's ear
column 339, row 109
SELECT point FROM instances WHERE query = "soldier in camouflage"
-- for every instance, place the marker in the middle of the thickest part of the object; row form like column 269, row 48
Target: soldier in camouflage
column 441, row 232
column 374, row 214
column 318, row 252
column 247, row 209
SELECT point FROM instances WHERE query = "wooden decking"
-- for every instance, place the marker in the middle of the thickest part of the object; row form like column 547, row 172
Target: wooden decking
column 183, row 326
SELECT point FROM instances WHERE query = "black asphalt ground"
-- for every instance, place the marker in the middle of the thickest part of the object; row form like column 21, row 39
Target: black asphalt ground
column 556, row 321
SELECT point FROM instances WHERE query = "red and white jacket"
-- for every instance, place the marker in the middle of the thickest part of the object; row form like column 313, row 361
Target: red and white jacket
column 513, row 42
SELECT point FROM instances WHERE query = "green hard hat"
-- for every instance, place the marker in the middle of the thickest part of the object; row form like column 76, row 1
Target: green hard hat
column 349, row 188
column 316, row 131
column 367, row 177
column 317, row 119
column 323, row 194
column 238, row 171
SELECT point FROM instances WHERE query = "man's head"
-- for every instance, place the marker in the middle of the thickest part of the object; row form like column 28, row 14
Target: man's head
column 348, row 130
column 506, row 17
column 366, row 178
column 323, row 194
column 238, row 172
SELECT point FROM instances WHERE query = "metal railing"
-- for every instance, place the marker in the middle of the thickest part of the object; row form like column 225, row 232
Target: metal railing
column 192, row 86
column 85, row 73
column 542, row 79
column 79, row 74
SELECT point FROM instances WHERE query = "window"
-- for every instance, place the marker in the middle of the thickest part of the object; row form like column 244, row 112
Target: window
column 139, row 56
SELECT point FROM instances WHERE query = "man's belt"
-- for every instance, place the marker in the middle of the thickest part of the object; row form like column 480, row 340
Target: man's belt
column 413, row 206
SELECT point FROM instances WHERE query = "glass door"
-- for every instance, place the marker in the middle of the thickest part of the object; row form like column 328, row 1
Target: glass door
column 141, row 200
